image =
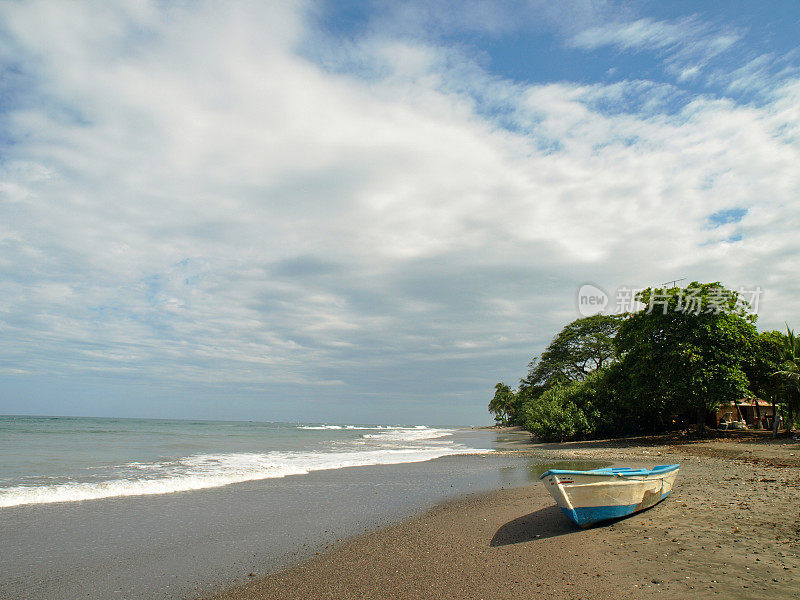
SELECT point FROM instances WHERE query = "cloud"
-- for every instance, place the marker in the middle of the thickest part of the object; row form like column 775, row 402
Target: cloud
column 762, row 72
column 650, row 34
column 688, row 44
column 186, row 196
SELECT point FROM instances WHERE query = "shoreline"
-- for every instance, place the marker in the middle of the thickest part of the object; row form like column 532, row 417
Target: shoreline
column 730, row 529
column 188, row 544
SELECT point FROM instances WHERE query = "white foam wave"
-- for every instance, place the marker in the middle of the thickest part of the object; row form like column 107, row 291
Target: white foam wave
column 408, row 435
column 216, row 470
column 359, row 427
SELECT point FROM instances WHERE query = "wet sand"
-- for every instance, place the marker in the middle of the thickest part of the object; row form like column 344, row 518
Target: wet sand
column 729, row 530
column 187, row 544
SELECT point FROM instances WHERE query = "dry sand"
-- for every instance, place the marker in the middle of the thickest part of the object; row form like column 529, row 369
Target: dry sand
column 729, row 530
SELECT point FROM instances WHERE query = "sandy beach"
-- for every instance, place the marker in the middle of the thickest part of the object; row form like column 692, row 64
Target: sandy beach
column 729, row 530
column 191, row 544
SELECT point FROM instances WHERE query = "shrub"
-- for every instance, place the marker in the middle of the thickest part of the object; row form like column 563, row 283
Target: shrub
column 554, row 416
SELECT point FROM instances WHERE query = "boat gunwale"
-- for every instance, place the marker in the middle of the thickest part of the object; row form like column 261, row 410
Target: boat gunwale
column 615, row 471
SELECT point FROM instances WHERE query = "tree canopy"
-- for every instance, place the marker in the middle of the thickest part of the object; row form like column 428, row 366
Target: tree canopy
column 688, row 348
column 765, row 362
column 502, row 404
column 582, row 347
column 683, row 355
column 789, row 374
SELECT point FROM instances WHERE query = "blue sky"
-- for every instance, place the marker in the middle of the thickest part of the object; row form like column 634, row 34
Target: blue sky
column 355, row 211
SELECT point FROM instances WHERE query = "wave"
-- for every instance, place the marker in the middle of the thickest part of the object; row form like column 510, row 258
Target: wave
column 202, row 471
column 408, row 435
column 388, row 433
column 359, row 427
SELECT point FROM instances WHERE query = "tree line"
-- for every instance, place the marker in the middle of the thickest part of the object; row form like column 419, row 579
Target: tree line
column 676, row 361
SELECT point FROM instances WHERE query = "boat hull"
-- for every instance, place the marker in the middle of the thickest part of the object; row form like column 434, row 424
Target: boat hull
column 587, row 497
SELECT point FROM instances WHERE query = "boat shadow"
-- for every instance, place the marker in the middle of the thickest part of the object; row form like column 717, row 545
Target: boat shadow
column 544, row 523
column 547, row 523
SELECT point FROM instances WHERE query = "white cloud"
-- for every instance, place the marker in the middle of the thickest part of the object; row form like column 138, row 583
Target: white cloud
column 688, row 43
column 187, row 198
column 763, row 72
column 650, row 34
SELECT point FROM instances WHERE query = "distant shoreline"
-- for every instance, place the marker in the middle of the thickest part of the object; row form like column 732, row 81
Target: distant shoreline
column 729, row 530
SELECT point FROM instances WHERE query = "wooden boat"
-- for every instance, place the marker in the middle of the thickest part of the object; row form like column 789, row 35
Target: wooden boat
column 587, row 497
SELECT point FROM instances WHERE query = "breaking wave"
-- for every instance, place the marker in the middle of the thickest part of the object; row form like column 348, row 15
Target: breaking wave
column 383, row 445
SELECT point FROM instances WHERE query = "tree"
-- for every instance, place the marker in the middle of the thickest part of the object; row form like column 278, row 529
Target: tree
column 554, row 416
column 764, row 363
column 686, row 353
column 687, row 349
column 582, row 347
column 790, row 358
column 789, row 375
column 762, row 366
column 502, row 406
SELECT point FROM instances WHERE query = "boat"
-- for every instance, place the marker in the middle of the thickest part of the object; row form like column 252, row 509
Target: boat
column 587, row 497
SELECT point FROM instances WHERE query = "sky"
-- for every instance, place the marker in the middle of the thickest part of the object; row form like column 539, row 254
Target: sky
column 371, row 212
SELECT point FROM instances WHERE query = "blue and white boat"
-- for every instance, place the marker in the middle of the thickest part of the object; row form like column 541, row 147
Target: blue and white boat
column 587, row 497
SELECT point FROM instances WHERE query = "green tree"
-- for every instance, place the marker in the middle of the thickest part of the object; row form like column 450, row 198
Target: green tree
column 789, row 375
column 502, row 405
column 581, row 348
column 790, row 358
column 554, row 416
column 762, row 365
column 687, row 349
column 765, row 361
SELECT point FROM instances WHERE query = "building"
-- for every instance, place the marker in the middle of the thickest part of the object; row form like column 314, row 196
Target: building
column 750, row 410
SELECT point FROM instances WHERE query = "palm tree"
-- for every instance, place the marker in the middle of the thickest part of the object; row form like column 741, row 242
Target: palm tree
column 790, row 354
column 502, row 405
column 790, row 373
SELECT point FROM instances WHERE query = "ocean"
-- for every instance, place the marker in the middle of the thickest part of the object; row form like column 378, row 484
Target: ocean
column 176, row 510
column 69, row 459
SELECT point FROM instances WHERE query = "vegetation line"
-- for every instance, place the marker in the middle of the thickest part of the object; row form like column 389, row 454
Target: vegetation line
column 687, row 353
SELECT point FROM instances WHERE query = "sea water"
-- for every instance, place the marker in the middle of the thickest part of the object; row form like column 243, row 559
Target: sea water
column 68, row 459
